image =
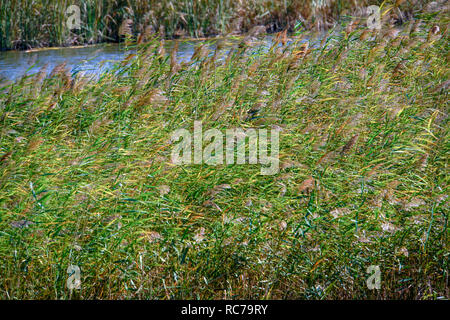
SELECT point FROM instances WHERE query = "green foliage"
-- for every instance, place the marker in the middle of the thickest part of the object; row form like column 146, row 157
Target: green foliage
column 28, row 24
column 86, row 178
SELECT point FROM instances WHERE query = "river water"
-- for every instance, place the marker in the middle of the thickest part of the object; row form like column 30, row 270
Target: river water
column 96, row 59
column 89, row 59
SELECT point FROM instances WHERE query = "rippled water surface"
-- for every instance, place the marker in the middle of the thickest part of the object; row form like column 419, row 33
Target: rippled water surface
column 92, row 59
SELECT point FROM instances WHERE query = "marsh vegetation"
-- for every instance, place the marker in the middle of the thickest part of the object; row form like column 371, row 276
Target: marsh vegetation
column 86, row 177
column 26, row 24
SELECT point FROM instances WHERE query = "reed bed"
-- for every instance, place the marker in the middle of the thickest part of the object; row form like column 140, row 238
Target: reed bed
column 86, row 178
column 26, row 24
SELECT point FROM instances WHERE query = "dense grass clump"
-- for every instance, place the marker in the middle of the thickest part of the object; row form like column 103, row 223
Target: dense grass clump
column 86, row 177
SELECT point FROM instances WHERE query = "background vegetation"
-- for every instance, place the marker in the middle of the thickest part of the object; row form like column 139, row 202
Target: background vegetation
column 26, row 24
